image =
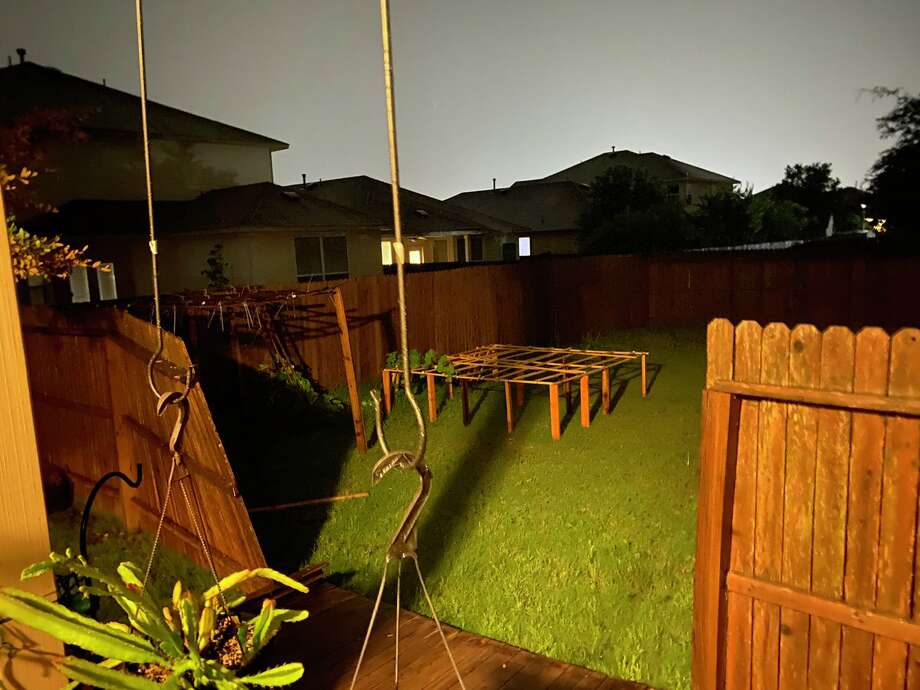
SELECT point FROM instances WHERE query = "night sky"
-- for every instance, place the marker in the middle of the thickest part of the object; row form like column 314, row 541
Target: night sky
column 512, row 90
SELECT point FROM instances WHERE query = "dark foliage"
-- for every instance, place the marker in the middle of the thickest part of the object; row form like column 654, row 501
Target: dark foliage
column 893, row 178
column 630, row 212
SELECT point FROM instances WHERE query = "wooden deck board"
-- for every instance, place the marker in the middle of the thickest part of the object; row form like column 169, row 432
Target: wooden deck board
column 329, row 642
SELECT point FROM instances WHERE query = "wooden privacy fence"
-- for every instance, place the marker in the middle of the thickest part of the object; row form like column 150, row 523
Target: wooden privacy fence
column 94, row 413
column 560, row 301
column 806, row 569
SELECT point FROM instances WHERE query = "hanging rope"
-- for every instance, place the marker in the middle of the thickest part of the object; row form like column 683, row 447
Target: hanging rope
column 177, row 399
column 405, row 542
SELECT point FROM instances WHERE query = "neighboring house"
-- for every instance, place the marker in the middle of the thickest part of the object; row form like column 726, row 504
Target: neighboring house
column 684, row 182
column 189, row 154
column 549, row 208
column 433, row 231
column 269, row 235
column 547, row 211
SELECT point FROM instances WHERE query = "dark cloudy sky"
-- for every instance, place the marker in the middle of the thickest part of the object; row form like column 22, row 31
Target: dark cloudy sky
column 507, row 89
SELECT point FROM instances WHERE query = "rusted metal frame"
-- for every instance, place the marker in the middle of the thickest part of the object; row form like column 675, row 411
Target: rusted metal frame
column 631, row 353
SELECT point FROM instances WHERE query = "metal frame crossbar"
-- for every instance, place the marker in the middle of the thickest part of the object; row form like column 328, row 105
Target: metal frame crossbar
column 519, row 366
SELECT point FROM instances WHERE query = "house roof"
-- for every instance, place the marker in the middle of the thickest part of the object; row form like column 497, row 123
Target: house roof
column 656, row 165
column 256, row 206
column 538, row 206
column 421, row 214
column 110, row 112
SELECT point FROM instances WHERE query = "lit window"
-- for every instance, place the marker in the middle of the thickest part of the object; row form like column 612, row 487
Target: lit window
column 79, row 285
column 105, row 275
column 523, row 246
column 386, row 252
column 415, row 256
column 321, row 258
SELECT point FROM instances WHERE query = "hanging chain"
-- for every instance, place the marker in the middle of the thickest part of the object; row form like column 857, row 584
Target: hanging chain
column 170, row 398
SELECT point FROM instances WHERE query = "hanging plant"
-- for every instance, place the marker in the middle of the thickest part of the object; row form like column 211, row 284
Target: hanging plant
column 191, row 642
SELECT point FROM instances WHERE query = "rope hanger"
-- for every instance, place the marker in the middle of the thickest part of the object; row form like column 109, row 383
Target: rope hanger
column 169, row 398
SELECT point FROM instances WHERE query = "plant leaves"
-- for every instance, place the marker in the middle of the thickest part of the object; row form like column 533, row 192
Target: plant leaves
column 276, row 677
column 235, row 579
column 97, row 676
column 75, row 629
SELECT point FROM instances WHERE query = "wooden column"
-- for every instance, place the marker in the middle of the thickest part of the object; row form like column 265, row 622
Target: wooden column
column 509, row 408
column 23, row 524
column 584, row 395
column 644, row 389
column 450, row 389
column 465, row 400
column 357, row 417
column 432, row 397
column 387, row 383
column 554, row 411
column 605, row 390
column 520, row 394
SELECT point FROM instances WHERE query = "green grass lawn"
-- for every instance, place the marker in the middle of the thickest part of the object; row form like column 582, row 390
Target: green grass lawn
column 580, row 549
column 108, row 544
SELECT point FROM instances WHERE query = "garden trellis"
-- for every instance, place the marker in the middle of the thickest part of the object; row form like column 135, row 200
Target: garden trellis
column 516, row 365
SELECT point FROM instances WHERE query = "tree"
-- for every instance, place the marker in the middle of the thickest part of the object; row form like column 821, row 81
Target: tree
column 723, row 219
column 893, row 177
column 630, row 212
column 216, row 270
column 815, row 189
column 21, row 149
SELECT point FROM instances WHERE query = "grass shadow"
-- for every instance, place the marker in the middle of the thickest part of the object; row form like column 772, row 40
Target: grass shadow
column 281, row 448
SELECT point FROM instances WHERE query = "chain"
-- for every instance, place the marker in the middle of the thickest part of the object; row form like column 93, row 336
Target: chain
column 156, row 536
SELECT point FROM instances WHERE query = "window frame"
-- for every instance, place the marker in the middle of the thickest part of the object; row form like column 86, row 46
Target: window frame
column 324, row 274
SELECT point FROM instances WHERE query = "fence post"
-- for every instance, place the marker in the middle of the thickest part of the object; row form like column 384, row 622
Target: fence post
column 357, row 416
column 718, row 453
column 23, row 524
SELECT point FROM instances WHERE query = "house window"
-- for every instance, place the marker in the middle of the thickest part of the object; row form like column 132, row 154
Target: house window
column 475, row 247
column 689, row 199
column 105, row 276
column 523, row 246
column 321, row 258
column 386, row 252
column 415, row 256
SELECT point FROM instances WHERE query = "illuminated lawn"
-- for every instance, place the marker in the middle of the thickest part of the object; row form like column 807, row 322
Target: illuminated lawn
column 581, row 549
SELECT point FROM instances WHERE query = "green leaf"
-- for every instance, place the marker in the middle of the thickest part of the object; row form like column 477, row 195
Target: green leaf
column 97, row 676
column 75, row 629
column 235, row 579
column 188, row 615
column 260, row 625
column 276, row 677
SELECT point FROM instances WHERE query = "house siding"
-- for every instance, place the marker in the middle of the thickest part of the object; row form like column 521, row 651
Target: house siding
column 103, row 169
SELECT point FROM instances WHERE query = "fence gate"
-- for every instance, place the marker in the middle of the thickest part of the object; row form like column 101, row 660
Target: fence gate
column 807, row 526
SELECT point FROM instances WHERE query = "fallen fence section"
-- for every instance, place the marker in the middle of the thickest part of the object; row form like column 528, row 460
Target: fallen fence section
column 94, row 413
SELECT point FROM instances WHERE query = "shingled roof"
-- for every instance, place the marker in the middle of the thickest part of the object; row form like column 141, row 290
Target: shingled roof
column 421, row 214
column 260, row 205
column 107, row 111
column 657, row 165
column 539, row 206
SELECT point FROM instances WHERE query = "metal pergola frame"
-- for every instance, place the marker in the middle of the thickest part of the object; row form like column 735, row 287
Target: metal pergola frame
column 518, row 365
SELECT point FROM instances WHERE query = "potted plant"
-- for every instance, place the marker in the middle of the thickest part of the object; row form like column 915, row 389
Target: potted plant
column 193, row 641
